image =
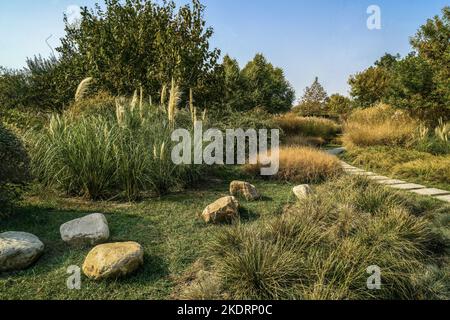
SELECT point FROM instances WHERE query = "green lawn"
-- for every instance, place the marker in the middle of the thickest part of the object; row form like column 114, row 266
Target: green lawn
column 169, row 229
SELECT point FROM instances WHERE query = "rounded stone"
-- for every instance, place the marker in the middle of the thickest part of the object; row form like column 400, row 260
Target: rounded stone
column 113, row 260
column 19, row 250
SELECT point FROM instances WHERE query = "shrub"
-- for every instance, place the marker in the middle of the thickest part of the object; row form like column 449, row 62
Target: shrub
column 256, row 118
column 321, row 247
column 292, row 124
column 302, row 165
column 23, row 119
column 380, row 125
column 13, row 168
column 101, row 103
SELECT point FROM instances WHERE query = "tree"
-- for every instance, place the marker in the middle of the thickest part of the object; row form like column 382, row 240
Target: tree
column 414, row 89
column 388, row 61
column 339, row 105
column 432, row 43
column 373, row 84
column 141, row 43
column 266, row 87
column 234, row 83
column 314, row 101
column 370, row 86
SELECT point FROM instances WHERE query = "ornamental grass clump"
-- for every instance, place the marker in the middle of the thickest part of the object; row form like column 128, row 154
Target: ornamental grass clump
column 106, row 156
column 323, row 246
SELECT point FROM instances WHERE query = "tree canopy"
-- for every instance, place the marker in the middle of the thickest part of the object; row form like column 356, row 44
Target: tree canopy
column 314, row 100
column 258, row 85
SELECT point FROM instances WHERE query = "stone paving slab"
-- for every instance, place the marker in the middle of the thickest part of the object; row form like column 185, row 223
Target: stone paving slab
column 378, row 178
column 391, row 182
column 444, row 198
column 431, row 192
column 364, row 173
column 408, row 186
column 353, row 170
column 336, row 151
column 439, row 194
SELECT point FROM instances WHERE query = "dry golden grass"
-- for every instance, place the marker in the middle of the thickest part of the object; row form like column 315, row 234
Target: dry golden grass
column 298, row 141
column 302, row 165
column 292, row 124
column 380, row 125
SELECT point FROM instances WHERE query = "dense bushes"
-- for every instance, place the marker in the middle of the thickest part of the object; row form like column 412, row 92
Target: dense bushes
column 105, row 156
column 321, row 248
column 13, row 168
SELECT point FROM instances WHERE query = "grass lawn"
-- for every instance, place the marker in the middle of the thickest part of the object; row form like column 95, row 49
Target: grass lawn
column 168, row 228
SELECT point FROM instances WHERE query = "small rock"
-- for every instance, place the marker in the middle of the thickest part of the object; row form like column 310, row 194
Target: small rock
column 247, row 190
column 18, row 250
column 113, row 260
column 223, row 210
column 302, row 191
column 90, row 230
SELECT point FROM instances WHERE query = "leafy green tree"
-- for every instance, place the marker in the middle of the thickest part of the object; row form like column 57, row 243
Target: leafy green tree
column 370, row 86
column 14, row 88
column 339, row 105
column 414, row 89
column 234, row 83
column 314, row 101
column 388, row 61
column 140, row 43
column 432, row 43
column 266, row 87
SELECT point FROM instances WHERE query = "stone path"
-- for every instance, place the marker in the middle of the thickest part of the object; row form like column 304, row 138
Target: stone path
column 439, row 194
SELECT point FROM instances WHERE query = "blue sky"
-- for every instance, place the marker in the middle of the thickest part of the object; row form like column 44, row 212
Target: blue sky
column 307, row 38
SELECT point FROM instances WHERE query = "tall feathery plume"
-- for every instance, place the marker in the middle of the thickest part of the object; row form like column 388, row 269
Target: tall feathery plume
column 442, row 131
column 120, row 112
column 83, row 88
column 134, row 101
column 141, row 103
column 191, row 105
column 174, row 98
column 163, row 95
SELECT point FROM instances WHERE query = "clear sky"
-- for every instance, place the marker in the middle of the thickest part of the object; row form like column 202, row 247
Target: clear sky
column 307, row 38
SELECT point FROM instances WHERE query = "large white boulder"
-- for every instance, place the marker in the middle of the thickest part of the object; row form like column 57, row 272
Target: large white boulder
column 302, row 191
column 18, row 250
column 90, row 230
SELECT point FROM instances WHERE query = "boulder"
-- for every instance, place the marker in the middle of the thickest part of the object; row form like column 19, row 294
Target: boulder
column 223, row 210
column 302, row 191
column 113, row 260
column 18, row 250
column 90, row 230
column 245, row 189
